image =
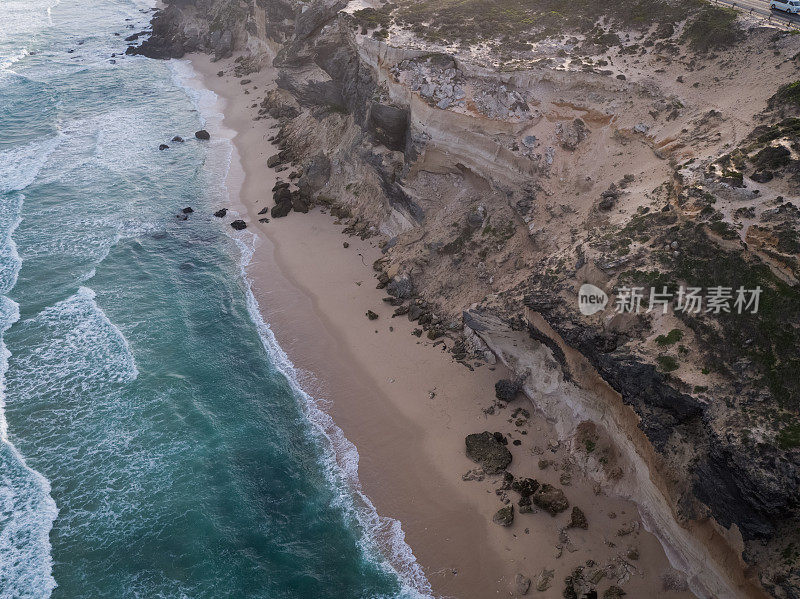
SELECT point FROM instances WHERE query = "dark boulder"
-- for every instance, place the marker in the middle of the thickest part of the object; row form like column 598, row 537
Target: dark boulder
column 522, row 584
column 525, row 486
column 221, row 212
column 264, row 210
column 273, row 161
column 281, row 209
column 487, row 451
column 504, row 516
column 239, row 225
column 299, row 204
column 202, row 134
column 187, row 210
column 400, row 287
column 578, row 518
column 506, row 389
column 163, row 147
column 551, row 499
column 282, row 195
column 177, row 139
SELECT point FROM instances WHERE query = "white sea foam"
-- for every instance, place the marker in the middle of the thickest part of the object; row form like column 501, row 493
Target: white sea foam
column 205, row 101
column 6, row 62
column 19, row 166
column 27, row 511
column 83, row 347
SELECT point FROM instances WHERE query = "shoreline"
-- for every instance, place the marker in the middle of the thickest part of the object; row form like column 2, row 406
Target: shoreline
column 377, row 380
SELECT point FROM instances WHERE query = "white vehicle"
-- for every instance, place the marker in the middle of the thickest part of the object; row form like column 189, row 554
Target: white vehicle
column 790, row 6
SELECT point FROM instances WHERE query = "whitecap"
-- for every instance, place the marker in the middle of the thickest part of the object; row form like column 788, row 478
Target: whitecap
column 80, row 348
column 20, row 166
column 27, row 510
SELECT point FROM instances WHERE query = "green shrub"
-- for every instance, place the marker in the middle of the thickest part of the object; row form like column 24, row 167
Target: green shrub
column 789, row 437
column 673, row 336
column 787, row 94
column 667, row 363
column 713, row 28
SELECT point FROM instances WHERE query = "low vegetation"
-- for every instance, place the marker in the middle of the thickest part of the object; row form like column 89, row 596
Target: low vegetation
column 520, row 22
column 788, row 94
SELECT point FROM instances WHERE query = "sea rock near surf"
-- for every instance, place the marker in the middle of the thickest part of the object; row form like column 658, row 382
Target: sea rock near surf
column 221, row 213
column 239, row 225
column 203, row 135
column 487, row 451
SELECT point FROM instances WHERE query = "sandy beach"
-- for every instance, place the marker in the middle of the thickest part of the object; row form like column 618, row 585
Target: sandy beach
column 407, row 405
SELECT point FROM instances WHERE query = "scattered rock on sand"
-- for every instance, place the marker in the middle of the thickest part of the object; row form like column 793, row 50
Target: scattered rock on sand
column 487, row 451
column 371, row 315
column 544, row 579
column 239, row 225
column 264, row 210
column 578, row 518
column 506, row 389
column 522, row 584
column 504, row 516
column 221, row 213
column 202, row 134
column 551, row 499
column 613, row 592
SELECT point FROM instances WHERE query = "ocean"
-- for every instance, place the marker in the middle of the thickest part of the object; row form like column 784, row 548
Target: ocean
column 155, row 439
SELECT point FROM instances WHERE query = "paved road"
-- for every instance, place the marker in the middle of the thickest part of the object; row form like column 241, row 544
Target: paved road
column 761, row 7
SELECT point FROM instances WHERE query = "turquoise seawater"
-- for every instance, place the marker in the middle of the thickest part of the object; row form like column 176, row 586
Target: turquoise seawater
column 155, row 442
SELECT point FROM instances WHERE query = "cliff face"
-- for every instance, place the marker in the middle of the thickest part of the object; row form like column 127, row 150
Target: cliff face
column 503, row 177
